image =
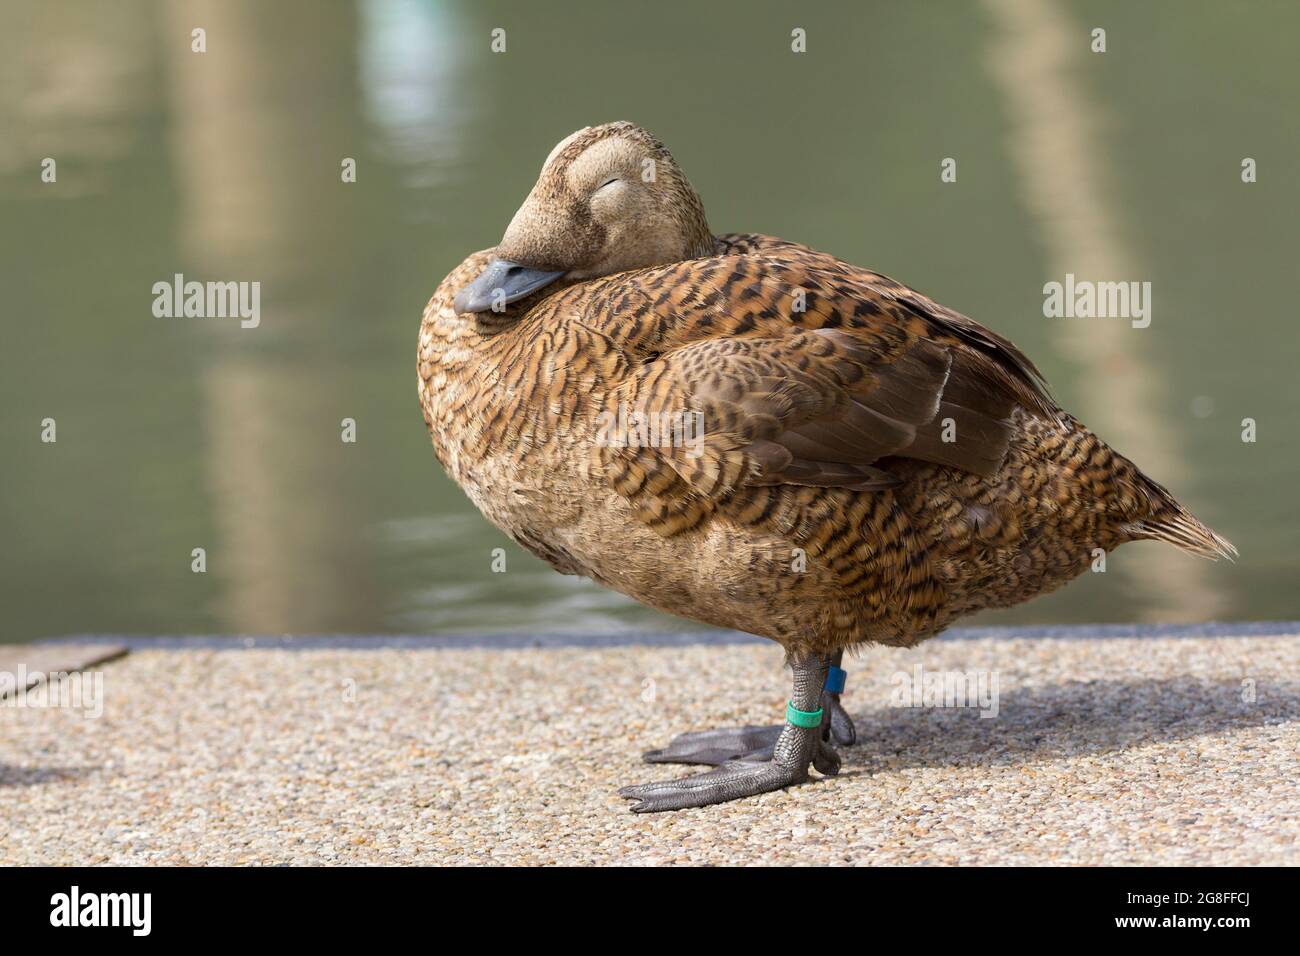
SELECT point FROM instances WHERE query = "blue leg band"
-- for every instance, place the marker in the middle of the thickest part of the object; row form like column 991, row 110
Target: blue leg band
column 835, row 679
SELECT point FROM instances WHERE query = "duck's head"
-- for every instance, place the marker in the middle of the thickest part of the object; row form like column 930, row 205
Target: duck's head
column 609, row 199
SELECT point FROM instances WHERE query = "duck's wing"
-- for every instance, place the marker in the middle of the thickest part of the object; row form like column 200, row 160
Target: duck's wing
column 843, row 283
column 789, row 373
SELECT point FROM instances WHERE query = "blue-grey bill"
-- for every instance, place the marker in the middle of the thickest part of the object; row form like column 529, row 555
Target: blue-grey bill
column 501, row 283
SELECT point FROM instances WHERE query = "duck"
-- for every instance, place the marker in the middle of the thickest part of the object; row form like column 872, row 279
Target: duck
column 747, row 432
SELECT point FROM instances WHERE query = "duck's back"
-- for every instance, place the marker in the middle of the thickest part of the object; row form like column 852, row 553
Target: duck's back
column 871, row 464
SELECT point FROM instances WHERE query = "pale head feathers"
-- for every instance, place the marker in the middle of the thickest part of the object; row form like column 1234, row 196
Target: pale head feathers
column 609, row 199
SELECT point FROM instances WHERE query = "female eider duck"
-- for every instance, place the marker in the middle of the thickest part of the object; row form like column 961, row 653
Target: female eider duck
column 832, row 459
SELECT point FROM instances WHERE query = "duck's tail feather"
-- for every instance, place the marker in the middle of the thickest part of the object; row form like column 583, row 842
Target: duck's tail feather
column 1170, row 521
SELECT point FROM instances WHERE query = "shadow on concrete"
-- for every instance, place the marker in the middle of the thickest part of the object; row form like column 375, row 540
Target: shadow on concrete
column 1079, row 718
column 35, row 776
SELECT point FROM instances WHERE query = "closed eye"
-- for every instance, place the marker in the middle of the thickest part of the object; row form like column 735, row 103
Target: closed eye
column 608, row 182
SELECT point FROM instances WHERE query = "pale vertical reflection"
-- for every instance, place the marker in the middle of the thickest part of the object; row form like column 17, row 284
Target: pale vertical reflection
column 412, row 64
column 260, row 123
column 73, row 78
column 1035, row 57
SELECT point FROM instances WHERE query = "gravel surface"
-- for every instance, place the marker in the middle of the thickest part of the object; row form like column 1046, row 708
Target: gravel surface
column 1108, row 751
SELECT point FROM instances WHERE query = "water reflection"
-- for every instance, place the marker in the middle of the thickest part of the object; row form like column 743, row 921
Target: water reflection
column 260, row 124
column 75, row 78
column 412, row 71
column 1066, row 168
column 176, row 434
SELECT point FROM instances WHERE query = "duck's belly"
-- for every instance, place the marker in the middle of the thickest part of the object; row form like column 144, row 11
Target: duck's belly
column 944, row 545
column 724, row 574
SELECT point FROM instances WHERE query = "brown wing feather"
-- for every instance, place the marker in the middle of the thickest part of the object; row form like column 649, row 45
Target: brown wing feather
column 826, row 396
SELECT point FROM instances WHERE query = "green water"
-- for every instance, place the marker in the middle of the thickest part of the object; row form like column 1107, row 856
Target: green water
column 176, row 434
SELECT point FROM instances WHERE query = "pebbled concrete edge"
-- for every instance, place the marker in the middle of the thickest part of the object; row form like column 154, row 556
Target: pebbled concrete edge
column 29, row 664
column 523, row 641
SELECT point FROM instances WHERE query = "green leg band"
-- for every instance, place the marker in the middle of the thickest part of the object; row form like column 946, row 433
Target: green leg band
column 802, row 718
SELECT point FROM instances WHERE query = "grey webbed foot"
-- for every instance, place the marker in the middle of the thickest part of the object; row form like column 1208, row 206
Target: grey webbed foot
column 800, row 742
column 729, row 781
column 716, row 747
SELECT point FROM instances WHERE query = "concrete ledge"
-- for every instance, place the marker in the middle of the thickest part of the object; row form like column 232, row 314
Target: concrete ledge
column 1145, row 751
column 29, row 664
column 524, row 640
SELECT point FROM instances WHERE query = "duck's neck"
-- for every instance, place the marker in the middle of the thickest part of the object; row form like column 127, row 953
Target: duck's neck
column 483, row 326
column 687, row 209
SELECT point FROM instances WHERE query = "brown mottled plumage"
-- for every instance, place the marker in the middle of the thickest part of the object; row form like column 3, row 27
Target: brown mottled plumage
column 823, row 432
column 873, row 464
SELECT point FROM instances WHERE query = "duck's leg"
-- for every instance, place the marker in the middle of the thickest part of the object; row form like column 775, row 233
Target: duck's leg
column 799, row 744
column 713, row 747
column 842, row 729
